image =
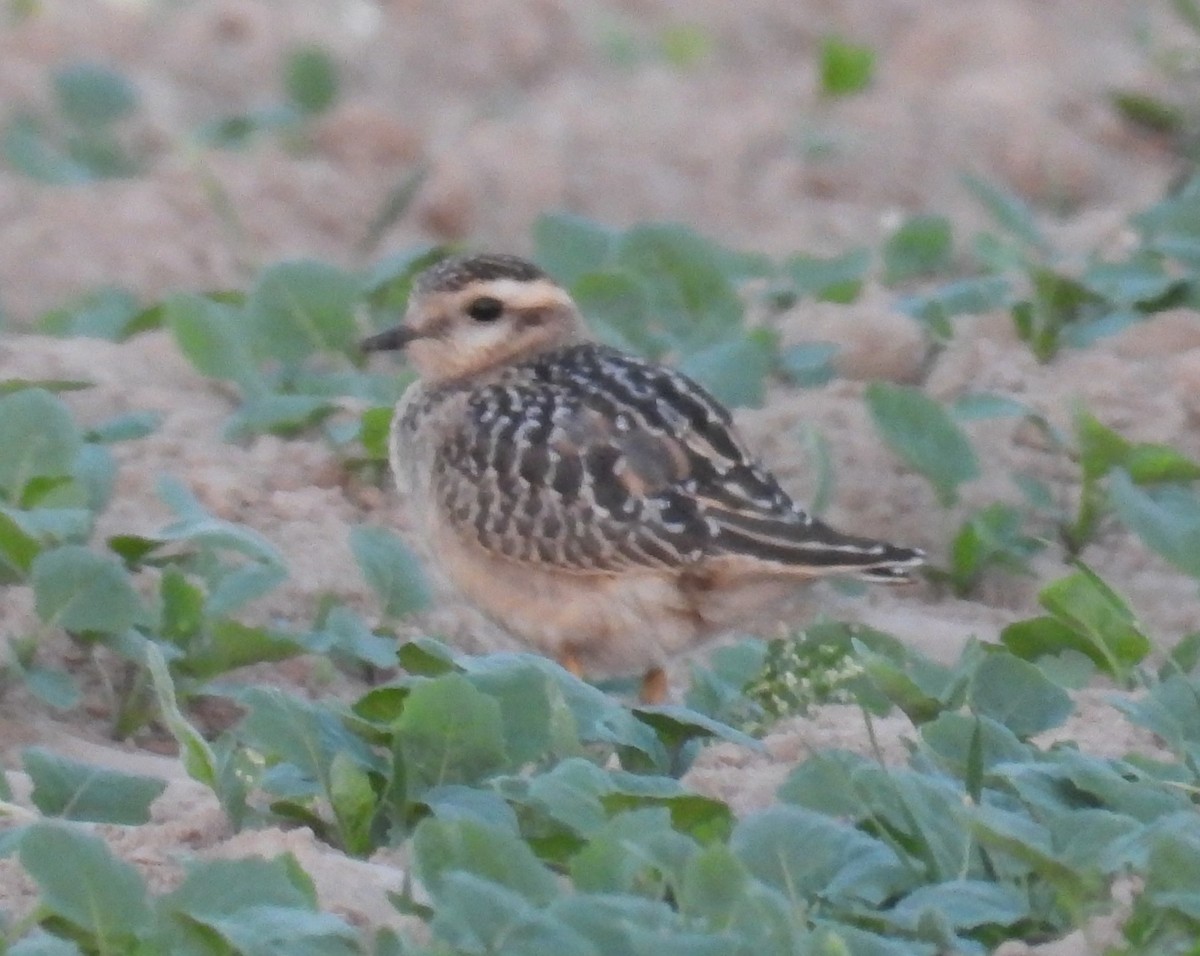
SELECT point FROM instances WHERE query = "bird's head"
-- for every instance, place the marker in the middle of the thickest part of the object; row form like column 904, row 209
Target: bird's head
column 468, row 315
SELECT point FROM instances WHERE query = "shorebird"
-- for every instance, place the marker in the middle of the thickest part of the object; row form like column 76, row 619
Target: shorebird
column 600, row 507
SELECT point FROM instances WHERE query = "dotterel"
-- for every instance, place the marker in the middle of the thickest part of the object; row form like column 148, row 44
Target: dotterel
column 600, row 507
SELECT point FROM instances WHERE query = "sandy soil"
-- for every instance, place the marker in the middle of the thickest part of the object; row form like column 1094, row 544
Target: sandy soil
column 521, row 106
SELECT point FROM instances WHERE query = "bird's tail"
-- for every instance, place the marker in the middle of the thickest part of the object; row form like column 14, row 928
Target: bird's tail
column 811, row 548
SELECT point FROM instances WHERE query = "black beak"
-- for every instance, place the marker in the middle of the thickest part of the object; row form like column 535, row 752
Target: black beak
column 389, row 341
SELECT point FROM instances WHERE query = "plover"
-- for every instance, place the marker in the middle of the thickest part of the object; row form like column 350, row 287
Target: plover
column 600, row 507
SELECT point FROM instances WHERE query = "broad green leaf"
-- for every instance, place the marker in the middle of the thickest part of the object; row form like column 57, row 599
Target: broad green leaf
column 449, row 732
column 27, row 149
column 808, row 364
column 277, row 929
column 227, row 645
column 82, row 883
column 391, row 569
column 91, row 95
column 689, row 289
column 476, row 915
column 1136, row 281
column 77, row 791
column 845, row 67
column 79, row 590
column 616, row 306
column 217, row 888
column 1027, row 844
column 353, row 800
column 714, row 884
column 1016, row 694
column 972, row 296
column 375, row 426
column 838, row 279
column 569, row 246
column 921, row 688
column 522, row 693
column 920, row 431
column 735, row 370
column 636, row 850
column 310, row 78
column 1171, row 710
column 1167, row 519
column 1093, row 610
column 39, row 437
column 127, row 427
column 1173, row 873
column 810, row 857
column 107, row 313
column 922, row 246
column 213, row 336
column 300, row 308
column 278, row 414
column 196, row 526
column 301, row 733
column 43, row 944
column 963, row 904
column 17, row 549
column 442, row 847
column 53, row 687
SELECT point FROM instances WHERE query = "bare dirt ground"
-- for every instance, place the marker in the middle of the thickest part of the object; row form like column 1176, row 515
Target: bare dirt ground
column 521, row 106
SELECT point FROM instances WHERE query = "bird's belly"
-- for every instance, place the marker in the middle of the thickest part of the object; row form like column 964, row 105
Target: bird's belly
column 620, row 623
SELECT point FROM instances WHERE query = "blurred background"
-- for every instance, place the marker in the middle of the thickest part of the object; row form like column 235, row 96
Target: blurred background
column 219, row 135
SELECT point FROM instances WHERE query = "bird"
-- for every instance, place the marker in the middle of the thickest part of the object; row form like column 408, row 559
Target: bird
column 600, row 507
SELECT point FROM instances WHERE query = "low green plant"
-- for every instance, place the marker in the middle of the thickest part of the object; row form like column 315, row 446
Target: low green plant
column 309, row 78
column 78, row 141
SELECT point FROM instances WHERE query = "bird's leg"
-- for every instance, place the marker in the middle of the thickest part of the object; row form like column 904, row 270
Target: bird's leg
column 654, row 686
column 569, row 662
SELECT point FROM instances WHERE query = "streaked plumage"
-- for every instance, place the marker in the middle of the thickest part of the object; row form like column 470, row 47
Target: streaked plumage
column 599, row 506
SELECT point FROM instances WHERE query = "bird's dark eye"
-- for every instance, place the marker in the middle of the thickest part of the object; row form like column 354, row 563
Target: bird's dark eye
column 485, row 309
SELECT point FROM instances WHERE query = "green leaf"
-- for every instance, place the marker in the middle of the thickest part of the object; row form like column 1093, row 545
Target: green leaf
column 838, row 279
column 808, row 364
column 82, row 883
column 690, row 291
column 93, row 96
column 1149, row 112
column 297, row 309
column 306, row 735
column 920, row 431
column 43, row 944
column 77, row 791
column 444, row 847
column 310, row 78
column 391, row 569
column 1010, row 212
column 807, row 856
column 286, row 415
column 108, row 313
column 127, row 427
column 27, row 149
column 354, row 801
column 735, row 371
column 1094, row 611
column 449, row 732
column 17, row 549
column 922, row 246
column 964, row 904
column 373, row 432
column 1016, row 694
column 40, row 438
column 569, row 246
column 78, row 590
column 1167, row 518
column 616, row 306
column 228, row 645
column 845, row 67
column 213, row 337
column 195, row 753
